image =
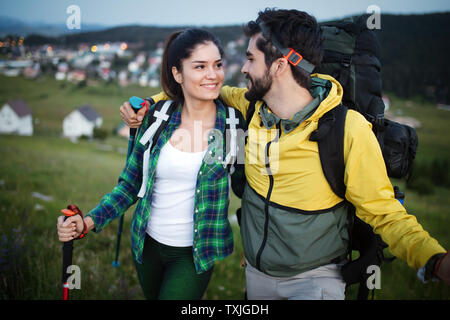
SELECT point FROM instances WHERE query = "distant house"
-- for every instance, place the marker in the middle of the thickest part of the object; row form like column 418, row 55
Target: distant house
column 81, row 121
column 16, row 118
column 76, row 76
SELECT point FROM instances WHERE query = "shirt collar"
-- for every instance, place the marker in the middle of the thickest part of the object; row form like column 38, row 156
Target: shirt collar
column 269, row 119
column 319, row 91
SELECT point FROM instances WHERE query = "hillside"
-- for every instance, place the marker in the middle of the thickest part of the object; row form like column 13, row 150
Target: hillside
column 414, row 52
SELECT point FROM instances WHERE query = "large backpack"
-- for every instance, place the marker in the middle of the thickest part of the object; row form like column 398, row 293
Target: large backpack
column 352, row 56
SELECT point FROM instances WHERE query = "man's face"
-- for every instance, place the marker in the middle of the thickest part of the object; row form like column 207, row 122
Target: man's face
column 256, row 72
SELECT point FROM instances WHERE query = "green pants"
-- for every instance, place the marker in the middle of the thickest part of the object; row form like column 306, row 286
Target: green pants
column 168, row 273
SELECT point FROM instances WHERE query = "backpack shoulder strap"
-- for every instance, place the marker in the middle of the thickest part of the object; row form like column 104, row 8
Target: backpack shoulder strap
column 234, row 125
column 158, row 118
column 330, row 138
column 250, row 112
column 235, row 132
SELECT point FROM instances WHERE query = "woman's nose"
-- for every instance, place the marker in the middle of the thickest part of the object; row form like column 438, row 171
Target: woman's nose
column 211, row 73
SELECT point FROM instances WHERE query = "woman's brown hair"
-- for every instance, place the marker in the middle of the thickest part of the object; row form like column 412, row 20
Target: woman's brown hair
column 179, row 46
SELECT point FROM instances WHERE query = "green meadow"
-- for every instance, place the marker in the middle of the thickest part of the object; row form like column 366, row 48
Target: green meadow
column 81, row 173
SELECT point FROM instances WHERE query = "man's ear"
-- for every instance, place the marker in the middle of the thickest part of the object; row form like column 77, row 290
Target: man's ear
column 280, row 66
column 177, row 75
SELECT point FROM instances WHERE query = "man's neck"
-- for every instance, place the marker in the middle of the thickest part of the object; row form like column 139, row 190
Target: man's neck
column 287, row 99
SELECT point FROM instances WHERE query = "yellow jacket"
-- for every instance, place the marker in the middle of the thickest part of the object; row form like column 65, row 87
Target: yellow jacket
column 299, row 181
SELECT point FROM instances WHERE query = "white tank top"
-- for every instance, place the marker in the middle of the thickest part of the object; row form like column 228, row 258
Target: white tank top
column 171, row 219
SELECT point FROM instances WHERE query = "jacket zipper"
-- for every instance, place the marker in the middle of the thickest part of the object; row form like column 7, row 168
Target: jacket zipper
column 267, row 201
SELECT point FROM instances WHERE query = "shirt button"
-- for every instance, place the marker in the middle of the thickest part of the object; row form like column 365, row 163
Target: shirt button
column 196, row 210
column 200, row 172
column 198, row 190
column 195, row 230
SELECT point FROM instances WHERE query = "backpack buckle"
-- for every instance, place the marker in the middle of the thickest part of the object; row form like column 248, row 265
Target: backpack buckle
column 294, row 59
column 346, row 61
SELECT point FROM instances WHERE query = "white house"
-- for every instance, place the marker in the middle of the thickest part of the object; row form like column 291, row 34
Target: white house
column 16, row 118
column 81, row 121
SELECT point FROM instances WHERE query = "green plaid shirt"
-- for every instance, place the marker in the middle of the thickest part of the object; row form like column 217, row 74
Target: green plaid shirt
column 213, row 238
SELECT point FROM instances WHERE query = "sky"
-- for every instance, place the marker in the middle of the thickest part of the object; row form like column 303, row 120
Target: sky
column 199, row 12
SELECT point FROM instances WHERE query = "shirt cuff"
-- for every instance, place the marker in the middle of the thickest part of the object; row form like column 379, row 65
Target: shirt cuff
column 425, row 273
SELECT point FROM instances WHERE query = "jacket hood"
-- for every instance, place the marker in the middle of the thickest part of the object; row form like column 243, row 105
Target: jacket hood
column 330, row 92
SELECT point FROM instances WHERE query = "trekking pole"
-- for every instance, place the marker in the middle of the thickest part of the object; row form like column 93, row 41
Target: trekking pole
column 67, row 250
column 363, row 291
column 67, row 260
column 136, row 104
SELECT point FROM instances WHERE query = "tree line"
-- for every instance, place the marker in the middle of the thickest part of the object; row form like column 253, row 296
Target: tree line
column 414, row 50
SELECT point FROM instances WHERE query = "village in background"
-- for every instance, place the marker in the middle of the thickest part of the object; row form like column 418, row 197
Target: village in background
column 88, row 65
column 131, row 56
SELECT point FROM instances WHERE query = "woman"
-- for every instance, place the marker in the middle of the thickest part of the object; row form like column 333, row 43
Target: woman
column 180, row 226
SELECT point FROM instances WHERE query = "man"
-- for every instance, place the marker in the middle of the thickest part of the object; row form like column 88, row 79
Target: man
column 294, row 228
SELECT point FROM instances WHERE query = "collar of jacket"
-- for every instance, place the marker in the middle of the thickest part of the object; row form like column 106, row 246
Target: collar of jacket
column 319, row 90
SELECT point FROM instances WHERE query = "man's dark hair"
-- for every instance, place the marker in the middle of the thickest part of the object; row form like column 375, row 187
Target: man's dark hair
column 293, row 29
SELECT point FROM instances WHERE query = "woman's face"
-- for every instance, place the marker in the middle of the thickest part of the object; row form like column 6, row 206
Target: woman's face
column 202, row 74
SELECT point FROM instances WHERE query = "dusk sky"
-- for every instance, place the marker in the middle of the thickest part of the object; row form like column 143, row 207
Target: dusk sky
column 199, row 12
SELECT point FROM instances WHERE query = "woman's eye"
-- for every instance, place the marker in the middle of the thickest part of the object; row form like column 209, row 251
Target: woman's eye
column 199, row 67
column 220, row 65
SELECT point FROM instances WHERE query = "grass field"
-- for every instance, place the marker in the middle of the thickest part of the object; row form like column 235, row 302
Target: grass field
column 81, row 173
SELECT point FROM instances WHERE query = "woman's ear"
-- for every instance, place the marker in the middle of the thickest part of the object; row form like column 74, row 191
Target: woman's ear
column 177, row 75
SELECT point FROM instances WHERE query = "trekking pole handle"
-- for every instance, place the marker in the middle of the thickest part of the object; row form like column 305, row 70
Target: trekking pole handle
column 137, row 103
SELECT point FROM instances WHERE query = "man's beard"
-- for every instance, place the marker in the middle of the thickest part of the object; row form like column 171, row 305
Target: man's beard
column 259, row 87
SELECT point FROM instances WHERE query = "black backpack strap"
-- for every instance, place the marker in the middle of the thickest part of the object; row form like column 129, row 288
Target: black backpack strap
column 231, row 127
column 234, row 159
column 150, row 100
column 161, row 114
column 250, row 112
column 330, row 138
